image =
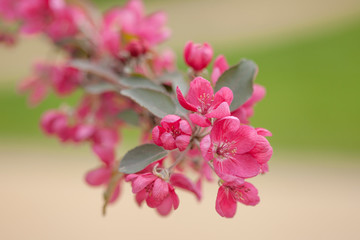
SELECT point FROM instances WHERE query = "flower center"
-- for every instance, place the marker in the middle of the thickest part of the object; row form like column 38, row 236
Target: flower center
column 225, row 150
column 206, row 101
column 175, row 132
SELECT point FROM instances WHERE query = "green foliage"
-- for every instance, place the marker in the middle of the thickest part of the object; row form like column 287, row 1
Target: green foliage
column 138, row 158
column 239, row 79
column 156, row 102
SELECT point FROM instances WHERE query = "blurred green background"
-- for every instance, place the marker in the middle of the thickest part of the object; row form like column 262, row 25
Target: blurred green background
column 310, row 69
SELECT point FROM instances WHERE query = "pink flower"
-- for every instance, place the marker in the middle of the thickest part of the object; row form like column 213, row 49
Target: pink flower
column 64, row 24
column 229, row 145
column 155, row 191
column 56, row 123
column 230, row 193
column 104, row 143
column 172, row 133
column 8, row 9
column 220, row 66
column 198, row 56
column 201, row 100
column 136, row 48
column 121, row 25
column 83, row 132
column 262, row 150
column 65, row 79
column 38, row 84
column 164, row 61
column 245, row 111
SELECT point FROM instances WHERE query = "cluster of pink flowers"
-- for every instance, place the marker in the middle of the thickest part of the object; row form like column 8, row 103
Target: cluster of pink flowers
column 188, row 123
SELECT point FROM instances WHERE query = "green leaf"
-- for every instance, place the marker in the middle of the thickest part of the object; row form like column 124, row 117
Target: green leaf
column 96, row 69
column 138, row 158
column 99, row 87
column 239, row 79
column 134, row 81
column 156, row 102
column 176, row 79
column 129, row 116
column 139, row 81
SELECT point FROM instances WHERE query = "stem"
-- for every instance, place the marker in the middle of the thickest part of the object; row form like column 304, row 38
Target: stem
column 179, row 158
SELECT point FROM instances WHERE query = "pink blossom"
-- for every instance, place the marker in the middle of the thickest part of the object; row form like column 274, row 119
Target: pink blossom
column 105, row 153
column 48, row 119
column 229, row 145
column 198, row 56
column 201, row 100
column 38, row 84
column 136, row 48
column 155, row 191
column 172, row 133
column 164, row 62
column 220, row 66
column 56, row 123
column 106, row 136
column 262, row 150
column 63, row 24
column 8, row 9
column 122, row 25
column 245, row 111
column 238, row 151
column 65, row 79
column 83, row 132
column 229, row 193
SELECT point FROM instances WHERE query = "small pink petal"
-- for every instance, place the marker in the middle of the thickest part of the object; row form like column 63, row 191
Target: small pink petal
column 199, row 120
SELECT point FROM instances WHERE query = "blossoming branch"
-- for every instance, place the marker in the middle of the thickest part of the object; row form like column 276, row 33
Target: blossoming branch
column 193, row 124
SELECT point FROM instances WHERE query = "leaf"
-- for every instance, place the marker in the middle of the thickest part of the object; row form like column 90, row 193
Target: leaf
column 239, row 79
column 176, row 79
column 96, row 69
column 129, row 116
column 138, row 81
column 156, row 102
column 140, row 157
column 99, row 87
column 134, row 81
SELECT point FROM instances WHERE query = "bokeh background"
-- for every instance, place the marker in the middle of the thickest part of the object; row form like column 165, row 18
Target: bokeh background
column 308, row 52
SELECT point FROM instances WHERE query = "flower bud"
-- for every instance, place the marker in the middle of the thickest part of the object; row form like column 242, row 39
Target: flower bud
column 173, row 133
column 198, row 56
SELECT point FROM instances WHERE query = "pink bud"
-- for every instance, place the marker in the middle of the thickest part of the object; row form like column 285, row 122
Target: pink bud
column 136, row 48
column 172, row 133
column 198, row 56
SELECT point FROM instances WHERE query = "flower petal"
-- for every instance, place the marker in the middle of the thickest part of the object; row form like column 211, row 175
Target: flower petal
column 223, row 95
column 221, row 111
column 183, row 101
column 200, row 120
column 182, row 142
column 168, row 141
column 244, row 166
column 181, row 181
column 225, row 203
column 224, row 128
column 98, row 176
